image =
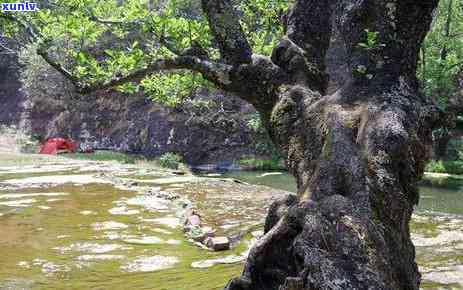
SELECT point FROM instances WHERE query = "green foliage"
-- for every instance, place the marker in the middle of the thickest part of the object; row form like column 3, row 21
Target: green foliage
column 361, row 69
column 440, row 166
column 263, row 145
column 202, row 104
column 261, row 22
column 254, row 163
column 255, row 123
column 370, row 40
column 442, row 53
column 170, row 160
column 98, row 40
column 39, row 82
column 171, row 89
column 436, row 166
column 180, row 26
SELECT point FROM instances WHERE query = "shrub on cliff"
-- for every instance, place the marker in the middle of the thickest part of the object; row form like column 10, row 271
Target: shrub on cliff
column 170, row 160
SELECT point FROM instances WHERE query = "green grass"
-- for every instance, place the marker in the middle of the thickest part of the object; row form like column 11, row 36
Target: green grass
column 104, row 155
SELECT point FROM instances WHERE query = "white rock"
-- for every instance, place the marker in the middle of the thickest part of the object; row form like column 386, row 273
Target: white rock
column 150, row 264
column 148, row 240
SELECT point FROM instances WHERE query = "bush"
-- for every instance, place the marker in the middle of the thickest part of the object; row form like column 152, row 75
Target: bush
column 440, row 166
column 170, row 160
column 436, row 166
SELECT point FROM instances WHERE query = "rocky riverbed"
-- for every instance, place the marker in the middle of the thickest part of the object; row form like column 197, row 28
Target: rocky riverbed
column 98, row 225
column 87, row 224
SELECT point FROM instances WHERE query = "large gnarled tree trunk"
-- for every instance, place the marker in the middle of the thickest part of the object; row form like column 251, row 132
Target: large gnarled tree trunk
column 357, row 150
column 357, row 153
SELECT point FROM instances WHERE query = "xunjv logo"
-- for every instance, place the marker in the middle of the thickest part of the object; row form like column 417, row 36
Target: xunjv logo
column 19, row 7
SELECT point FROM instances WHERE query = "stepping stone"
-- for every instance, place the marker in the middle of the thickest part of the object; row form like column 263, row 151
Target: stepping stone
column 218, row 243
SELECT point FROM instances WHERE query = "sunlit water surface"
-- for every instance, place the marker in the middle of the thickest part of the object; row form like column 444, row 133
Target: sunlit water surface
column 93, row 225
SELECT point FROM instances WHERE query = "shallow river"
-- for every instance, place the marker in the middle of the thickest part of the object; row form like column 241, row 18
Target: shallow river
column 67, row 224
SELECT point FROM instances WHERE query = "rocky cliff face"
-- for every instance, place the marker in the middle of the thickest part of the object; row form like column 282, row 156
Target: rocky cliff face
column 11, row 96
column 110, row 120
column 137, row 125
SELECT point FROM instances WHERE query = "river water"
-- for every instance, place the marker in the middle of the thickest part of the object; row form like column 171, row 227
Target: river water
column 68, row 224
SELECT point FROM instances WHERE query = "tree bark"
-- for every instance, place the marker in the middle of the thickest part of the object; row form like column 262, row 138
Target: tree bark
column 441, row 145
column 357, row 154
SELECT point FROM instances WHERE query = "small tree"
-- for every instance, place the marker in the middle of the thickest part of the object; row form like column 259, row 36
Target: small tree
column 440, row 66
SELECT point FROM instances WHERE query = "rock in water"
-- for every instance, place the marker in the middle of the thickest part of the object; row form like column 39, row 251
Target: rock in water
column 193, row 220
column 218, row 243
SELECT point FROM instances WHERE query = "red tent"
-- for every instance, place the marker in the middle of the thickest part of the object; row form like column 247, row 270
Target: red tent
column 58, row 145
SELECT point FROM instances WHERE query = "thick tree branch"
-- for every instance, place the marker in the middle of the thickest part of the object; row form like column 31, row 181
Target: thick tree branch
column 308, row 25
column 41, row 50
column 214, row 72
column 301, row 53
column 397, row 36
column 225, row 26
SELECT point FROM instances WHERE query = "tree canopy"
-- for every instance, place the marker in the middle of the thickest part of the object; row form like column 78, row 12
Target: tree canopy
column 105, row 43
column 98, row 44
